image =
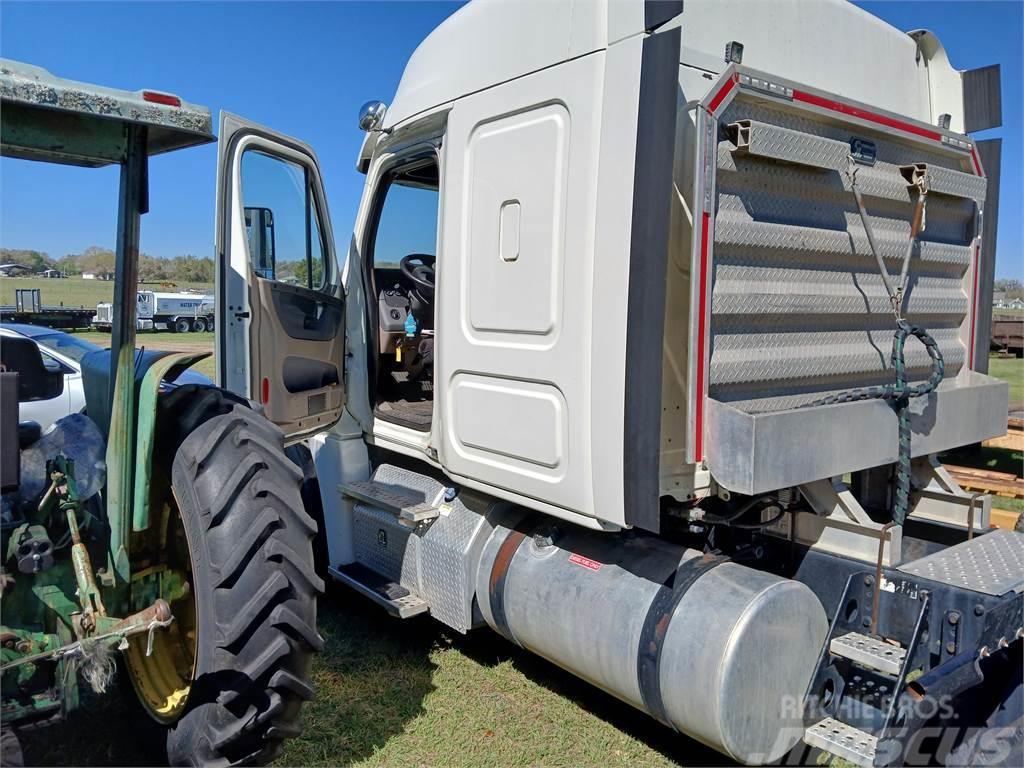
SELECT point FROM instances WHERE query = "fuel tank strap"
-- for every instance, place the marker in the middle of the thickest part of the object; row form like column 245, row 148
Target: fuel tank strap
column 499, row 570
column 652, row 636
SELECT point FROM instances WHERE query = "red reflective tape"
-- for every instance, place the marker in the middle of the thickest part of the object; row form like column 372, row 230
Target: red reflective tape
column 718, row 98
column 586, row 562
column 977, row 165
column 846, row 109
column 265, row 391
column 974, row 306
column 702, row 302
column 974, row 281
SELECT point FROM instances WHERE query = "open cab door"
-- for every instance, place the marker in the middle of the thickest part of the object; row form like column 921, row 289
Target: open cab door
column 280, row 302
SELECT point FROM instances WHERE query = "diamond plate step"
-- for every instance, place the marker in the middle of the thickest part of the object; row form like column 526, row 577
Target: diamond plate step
column 992, row 564
column 409, row 509
column 842, row 740
column 869, row 652
column 392, row 597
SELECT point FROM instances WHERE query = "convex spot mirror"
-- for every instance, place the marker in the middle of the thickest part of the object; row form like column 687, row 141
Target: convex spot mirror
column 371, row 115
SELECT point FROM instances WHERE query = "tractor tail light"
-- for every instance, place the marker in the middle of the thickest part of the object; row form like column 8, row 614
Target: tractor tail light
column 167, row 99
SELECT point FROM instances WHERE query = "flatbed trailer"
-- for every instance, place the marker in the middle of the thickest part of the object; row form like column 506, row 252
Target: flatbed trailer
column 51, row 317
column 1008, row 334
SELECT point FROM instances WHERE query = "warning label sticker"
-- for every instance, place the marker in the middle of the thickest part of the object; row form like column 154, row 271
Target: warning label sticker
column 586, row 562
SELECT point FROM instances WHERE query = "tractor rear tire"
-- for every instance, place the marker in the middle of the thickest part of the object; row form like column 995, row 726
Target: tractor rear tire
column 253, row 579
column 11, row 755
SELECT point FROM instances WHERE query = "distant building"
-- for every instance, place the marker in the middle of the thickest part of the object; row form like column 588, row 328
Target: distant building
column 88, row 275
column 998, row 298
column 14, row 270
column 51, row 273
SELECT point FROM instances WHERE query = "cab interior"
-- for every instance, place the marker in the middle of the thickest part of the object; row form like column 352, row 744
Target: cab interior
column 402, row 251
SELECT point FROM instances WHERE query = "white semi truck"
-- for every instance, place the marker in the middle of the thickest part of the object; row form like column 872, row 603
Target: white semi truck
column 179, row 312
column 652, row 323
column 654, row 319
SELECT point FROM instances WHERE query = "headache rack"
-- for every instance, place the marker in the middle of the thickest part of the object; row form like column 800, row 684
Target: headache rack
column 791, row 306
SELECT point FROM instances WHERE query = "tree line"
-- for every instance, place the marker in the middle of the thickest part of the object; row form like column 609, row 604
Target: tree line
column 100, row 261
column 187, row 268
column 1012, row 287
column 196, row 269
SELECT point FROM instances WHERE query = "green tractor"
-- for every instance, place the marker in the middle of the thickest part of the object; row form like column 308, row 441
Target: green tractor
column 160, row 536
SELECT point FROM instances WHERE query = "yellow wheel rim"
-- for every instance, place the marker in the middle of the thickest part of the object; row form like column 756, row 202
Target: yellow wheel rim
column 163, row 679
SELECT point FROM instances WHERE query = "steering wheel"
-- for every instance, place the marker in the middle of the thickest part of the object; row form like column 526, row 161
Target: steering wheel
column 419, row 269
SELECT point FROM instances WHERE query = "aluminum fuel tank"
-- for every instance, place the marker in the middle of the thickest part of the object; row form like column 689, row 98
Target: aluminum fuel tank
column 717, row 650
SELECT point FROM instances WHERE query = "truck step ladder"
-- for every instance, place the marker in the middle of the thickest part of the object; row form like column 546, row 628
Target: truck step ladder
column 869, row 652
column 842, row 740
column 410, row 510
column 859, row 677
column 874, row 671
column 394, row 598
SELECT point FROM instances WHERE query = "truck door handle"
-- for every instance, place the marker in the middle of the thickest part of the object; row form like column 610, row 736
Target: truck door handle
column 241, row 315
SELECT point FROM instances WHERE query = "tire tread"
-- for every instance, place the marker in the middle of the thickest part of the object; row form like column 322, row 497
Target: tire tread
column 245, row 491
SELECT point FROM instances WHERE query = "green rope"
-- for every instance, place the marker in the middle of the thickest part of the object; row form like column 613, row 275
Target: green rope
column 899, row 394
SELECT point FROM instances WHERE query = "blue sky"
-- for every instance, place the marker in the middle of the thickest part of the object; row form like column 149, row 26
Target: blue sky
column 304, row 69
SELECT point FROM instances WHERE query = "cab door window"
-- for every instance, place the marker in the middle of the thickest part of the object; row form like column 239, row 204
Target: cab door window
column 407, row 224
column 282, row 225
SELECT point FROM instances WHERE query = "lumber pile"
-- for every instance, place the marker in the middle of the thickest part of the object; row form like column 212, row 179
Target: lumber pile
column 1012, row 440
column 988, row 481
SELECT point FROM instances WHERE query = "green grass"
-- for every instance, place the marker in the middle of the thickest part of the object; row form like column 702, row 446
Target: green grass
column 1010, row 505
column 1007, row 312
column 1010, row 370
column 413, row 693
column 74, row 291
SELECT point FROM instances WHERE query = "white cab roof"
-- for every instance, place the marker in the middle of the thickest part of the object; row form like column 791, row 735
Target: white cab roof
column 828, row 44
column 487, row 42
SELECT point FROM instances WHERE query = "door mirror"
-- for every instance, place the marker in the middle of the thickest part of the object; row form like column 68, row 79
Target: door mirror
column 52, row 366
column 259, row 228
